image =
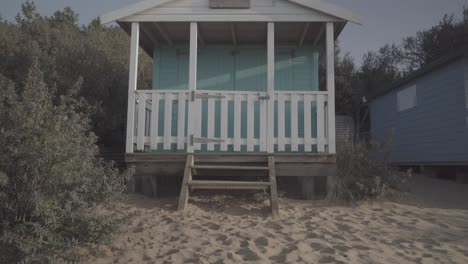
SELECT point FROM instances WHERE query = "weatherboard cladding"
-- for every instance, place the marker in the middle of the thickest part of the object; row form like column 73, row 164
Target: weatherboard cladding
column 435, row 130
column 260, row 10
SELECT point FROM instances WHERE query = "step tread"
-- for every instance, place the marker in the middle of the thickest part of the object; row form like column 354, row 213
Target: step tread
column 228, row 167
column 203, row 184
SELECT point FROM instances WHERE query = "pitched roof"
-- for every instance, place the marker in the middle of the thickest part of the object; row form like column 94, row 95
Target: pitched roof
column 444, row 60
column 318, row 5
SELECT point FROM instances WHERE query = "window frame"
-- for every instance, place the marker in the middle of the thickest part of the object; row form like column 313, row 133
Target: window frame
column 401, row 92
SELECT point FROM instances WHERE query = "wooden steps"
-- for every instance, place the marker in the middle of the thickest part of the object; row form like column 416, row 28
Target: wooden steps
column 221, row 167
column 226, row 185
column 191, row 169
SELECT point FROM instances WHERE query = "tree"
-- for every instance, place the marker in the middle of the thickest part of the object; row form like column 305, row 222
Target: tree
column 51, row 178
column 429, row 45
column 66, row 17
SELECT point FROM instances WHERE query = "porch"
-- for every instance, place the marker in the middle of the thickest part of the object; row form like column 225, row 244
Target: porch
column 278, row 105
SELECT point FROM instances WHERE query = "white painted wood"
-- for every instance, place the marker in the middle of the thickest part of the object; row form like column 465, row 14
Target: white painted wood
column 315, row 10
column 321, row 123
column 230, row 18
column 211, row 122
column 466, row 83
column 198, row 122
column 250, row 122
column 270, row 85
column 167, row 121
column 331, row 9
column 307, row 123
column 294, row 122
column 130, row 9
column 237, row 122
column 331, row 87
column 132, row 86
column 141, row 122
column 263, row 126
column 154, row 120
column 181, row 121
column 193, row 58
column 281, row 123
column 224, row 123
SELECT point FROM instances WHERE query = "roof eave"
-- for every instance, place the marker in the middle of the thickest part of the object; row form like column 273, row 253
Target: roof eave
column 313, row 4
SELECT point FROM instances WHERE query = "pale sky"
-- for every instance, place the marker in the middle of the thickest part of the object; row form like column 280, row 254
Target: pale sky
column 384, row 21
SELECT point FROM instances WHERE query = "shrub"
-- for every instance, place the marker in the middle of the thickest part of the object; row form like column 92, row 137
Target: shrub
column 51, row 178
column 363, row 172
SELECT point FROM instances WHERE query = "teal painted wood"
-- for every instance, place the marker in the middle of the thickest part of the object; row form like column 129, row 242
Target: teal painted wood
column 224, row 67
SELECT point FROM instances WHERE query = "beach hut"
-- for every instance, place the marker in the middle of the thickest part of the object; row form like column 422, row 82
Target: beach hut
column 236, row 87
column 424, row 118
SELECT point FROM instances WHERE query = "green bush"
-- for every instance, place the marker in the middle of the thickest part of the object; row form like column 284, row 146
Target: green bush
column 51, row 179
column 363, row 172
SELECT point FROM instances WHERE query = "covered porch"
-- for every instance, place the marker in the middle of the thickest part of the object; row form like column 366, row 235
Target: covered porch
column 233, row 87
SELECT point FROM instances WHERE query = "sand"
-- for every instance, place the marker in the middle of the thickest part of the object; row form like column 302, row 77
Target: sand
column 430, row 225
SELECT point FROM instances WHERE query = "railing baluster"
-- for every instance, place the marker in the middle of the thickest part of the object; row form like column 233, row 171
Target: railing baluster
column 294, row 124
column 181, row 121
column 250, row 122
column 197, row 121
column 224, row 124
column 167, row 121
column 307, row 122
column 155, row 121
column 281, row 122
column 263, row 125
column 320, row 124
column 141, row 121
column 237, row 122
column 211, row 122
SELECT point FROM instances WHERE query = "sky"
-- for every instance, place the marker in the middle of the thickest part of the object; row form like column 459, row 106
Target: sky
column 384, row 21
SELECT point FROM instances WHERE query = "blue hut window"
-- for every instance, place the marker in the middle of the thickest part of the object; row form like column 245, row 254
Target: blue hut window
column 407, row 99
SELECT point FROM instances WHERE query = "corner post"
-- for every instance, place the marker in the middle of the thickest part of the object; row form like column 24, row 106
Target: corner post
column 132, row 86
column 192, row 109
column 271, row 86
column 330, row 47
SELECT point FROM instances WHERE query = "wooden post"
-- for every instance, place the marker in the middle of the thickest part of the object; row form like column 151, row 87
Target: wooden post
column 273, row 187
column 192, row 122
column 184, row 191
column 330, row 36
column 132, row 86
column 271, row 86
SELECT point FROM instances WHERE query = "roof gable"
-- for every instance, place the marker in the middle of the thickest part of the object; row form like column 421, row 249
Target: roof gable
column 261, row 10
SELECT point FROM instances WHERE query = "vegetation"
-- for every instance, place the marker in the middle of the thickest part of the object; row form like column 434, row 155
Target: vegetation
column 66, row 51
column 59, row 85
column 51, row 179
column 363, row 172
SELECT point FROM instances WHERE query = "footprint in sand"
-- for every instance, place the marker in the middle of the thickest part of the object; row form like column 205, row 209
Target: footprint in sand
column 274, row 226
column 327, row 259
column 261, row 241
column 316, row 246
column 342, row 248
column 213, row 226
column 247, row 254
column 221, row 238
column 244, row 243
column 360, row 247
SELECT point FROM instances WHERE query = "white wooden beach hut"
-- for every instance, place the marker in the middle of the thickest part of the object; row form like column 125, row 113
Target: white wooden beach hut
column 236, row 86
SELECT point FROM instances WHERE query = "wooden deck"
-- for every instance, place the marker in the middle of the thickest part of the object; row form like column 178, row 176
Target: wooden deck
column 298, row 165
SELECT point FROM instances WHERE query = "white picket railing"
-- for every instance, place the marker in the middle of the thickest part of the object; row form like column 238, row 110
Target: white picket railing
column 173, row 134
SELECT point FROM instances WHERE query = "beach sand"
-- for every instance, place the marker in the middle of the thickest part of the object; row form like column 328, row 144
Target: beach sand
column 429, row 225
